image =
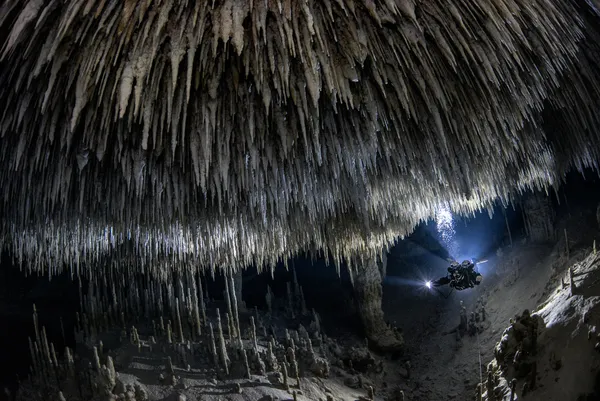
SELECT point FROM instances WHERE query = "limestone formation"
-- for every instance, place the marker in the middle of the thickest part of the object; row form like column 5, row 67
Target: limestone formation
column 176, row 139
column 166, row 136
column 539, row 217
column 368, row 295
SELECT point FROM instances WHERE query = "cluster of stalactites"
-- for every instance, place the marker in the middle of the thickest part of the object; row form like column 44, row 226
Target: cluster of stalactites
column 79, row 247
column 234, row 132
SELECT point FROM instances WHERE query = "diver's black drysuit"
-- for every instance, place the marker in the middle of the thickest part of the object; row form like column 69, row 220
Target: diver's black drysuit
column 460, row 276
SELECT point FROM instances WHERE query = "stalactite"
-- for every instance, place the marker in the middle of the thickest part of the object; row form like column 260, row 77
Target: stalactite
column 490, row 108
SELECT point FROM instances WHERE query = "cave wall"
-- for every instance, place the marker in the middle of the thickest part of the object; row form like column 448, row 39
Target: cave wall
column 539, row 216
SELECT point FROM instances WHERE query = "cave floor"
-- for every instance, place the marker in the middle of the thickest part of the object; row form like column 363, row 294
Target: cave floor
column 445, row 366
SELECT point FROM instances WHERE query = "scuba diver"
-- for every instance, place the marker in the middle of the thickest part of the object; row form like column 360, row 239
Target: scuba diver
column 460, row 276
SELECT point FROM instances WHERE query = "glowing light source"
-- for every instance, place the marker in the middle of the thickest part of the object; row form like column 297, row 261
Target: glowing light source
column 428, row 284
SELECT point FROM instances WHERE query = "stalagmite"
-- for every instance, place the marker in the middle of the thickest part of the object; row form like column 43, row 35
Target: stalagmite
column 202, row 306
column 253, row 333
column 304, row 310
column 231, row 329
column 170, row 368
column 97, row 365
column 196, row 309
column 371, row 393
column 286, row 384
column 213, row 346
column 271, row 359
column 179, row 326
column 368, row 295
column 269, row 299
column 54, row 358
column 69, row 360
column 290, row 301
column 223, row 348
column 572, row 286
column 507, row 227
column 110, row 370
column 36, row 326
column 230, row 326
column 246, row 365
column 237, row 278
column 147, row 144
column 236, row 315
column 297, row 373
column 316, row 321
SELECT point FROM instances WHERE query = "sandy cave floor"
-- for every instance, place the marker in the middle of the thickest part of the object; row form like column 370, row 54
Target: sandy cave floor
column 446, row 368
column 442, row 366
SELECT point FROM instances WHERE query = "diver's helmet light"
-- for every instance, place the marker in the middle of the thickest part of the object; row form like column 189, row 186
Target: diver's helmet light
column 428, row 284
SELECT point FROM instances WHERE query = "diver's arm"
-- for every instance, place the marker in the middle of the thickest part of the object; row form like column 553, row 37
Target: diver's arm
column 440, row 281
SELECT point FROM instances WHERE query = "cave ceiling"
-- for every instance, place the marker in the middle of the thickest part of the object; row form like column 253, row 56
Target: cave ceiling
column 164, row 134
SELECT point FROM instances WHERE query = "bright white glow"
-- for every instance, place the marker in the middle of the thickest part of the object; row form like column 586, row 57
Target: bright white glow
column 443, row 218
column 428, row 284
column 445, row 228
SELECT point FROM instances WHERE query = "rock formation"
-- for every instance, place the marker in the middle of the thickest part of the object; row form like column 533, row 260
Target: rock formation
column 368, row 295
column 540, row 354
column 539, row 217
column 156, row 142
column 175, row 135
